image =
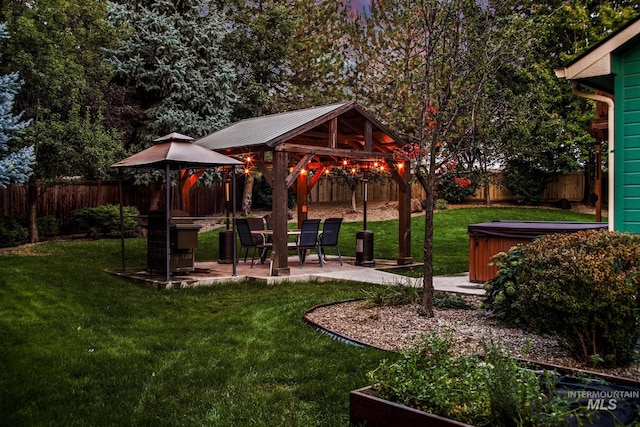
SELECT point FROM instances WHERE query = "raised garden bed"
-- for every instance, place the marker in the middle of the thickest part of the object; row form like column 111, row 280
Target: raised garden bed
column 367, row 409
column 613, row 404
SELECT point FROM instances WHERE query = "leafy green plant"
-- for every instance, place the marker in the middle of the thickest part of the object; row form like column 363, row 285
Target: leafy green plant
column 105, row 220
column 391, row 295
column 431, row 378
column 496, row 391
column 502, row 292
column 444, row 300
column 12, row 233
column 582, row 287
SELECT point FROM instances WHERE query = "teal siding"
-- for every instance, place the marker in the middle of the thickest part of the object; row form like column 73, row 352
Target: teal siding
column 627, row 148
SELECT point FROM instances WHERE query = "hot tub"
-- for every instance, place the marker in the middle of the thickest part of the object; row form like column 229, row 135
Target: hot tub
column 489, row 238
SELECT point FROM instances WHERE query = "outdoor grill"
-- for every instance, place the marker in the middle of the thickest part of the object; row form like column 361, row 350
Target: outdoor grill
column 183, row 240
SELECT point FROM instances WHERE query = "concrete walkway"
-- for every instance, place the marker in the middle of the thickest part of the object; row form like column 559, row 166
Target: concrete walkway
column 454, row 283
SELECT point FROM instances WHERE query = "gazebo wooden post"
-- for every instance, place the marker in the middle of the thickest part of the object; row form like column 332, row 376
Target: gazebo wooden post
column 404, row 223
column 301, row 197
column 280, row 266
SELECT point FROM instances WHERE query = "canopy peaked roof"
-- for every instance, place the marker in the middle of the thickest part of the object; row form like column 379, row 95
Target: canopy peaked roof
column 593, row 67
column 311, row 127
column 178, row 151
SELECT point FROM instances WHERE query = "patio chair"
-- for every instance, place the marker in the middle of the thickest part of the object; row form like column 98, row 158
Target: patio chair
column 308, row 239
column 251, row 241
column 329, row 237
column 255, row 224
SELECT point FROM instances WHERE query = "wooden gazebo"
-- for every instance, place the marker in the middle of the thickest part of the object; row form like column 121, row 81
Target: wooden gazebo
column 285, row 146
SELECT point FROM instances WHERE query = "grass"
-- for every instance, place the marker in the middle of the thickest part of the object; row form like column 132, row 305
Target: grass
column 82, row 347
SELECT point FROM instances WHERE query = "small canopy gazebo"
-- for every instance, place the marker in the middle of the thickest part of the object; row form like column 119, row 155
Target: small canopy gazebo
column 175, row 152
column 315, row 139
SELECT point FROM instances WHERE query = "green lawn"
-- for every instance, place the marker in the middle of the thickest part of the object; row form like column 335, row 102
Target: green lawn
column 82, row 347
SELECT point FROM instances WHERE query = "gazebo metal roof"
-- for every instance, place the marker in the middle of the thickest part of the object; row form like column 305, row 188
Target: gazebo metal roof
column 307, row 128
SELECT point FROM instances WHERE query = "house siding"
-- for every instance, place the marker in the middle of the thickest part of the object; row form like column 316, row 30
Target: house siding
column 627, row 137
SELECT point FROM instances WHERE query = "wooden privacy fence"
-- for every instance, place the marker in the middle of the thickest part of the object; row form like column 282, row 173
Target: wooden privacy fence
column 330, row 189
column 63, row 198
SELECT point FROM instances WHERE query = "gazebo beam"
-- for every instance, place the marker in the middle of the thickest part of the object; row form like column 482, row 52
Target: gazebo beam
column 325, row 151
column 404, row 218
column 280, row 266
column 297, row 169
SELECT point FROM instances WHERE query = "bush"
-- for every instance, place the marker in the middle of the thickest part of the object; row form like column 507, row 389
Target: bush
column 525, row 181
column 582, row 287
column 48, row 227
column 12, row 233
column 105, row 220
column 440, row 204
column 458, row 185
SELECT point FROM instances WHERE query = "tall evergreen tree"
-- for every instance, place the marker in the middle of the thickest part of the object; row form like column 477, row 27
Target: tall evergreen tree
column 172, row 57
column 319, row 62
column 15, row 165
column 259, row 43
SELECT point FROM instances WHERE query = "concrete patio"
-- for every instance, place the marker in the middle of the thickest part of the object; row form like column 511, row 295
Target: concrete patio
column 212, row 272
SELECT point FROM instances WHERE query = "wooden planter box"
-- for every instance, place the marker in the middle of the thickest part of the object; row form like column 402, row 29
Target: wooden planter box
column 489, row 238
column 367, row 409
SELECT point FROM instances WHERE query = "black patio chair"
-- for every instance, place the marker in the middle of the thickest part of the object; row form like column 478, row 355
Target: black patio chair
column 308, row 240
column 329, row 237
column 249, row 240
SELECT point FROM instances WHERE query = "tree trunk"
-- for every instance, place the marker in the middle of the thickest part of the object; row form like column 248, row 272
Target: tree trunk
column 426, row 307
column 246, row 194
column 157, row 190
column 353, row 201
column 33, row 211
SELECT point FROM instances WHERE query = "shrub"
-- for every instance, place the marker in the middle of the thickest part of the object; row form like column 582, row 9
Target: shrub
column 105, row 220
column 582, row 287
column 12, row 233
column 458, row 185
column 440, row 204
column 525, row 181
column 48, row 226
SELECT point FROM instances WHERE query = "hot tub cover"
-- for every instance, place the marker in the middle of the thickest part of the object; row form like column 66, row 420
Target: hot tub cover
column 530, row 229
